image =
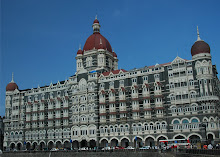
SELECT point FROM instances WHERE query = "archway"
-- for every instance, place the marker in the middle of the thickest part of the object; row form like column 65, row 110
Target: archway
column 104, row 143
column 67, row 145
column 75, row 144
column 34, row 146
column 194, row 139
column 42, row 146
column 92, row 143
column 138, row 142
column 125, row 142
column 84, row 143
column 149, row 142
column 114, row 142
column 50, row 145
column 28, row 145
column 160, row 138
column 179, row 137
column 19, row 146
column 210, row 139
column 12, row 146
column 58, row 144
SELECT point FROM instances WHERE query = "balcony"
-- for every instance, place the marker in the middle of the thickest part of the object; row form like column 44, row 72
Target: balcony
column 208, row 98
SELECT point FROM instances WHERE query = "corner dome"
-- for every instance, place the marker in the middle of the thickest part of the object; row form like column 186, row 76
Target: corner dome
column 96, row 21
column 11, row 86
column 200, row 47
column 79, row 52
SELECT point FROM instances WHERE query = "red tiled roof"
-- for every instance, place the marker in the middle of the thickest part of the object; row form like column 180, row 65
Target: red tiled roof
column 148, row 109
column 112, row 112
column 135, row 110
column 159, row 64
column 102, row 114
column 147, row 85
column 147, row 97
column 113, row 91
column 159, row 108
column 114, row 72
column 122, row 88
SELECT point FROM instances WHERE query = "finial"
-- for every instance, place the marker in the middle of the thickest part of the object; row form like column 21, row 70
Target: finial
column 96, row 16
column 198, row 39
column 12, row 80
column 79, row 46
column 113, row 50
column 100, row 41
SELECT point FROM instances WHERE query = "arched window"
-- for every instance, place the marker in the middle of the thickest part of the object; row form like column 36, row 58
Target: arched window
column 111, row 129
column 194, row 123
column 194, row 107
column 176, row 125
column 185, row 124
column 146, row 126
column 151, row 126
column 173, row 109
column 158, row 126
column 164, row 125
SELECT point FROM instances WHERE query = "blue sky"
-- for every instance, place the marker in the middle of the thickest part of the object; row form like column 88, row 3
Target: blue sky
column 40, row 38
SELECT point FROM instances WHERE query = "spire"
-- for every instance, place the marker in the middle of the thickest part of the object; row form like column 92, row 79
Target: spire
column 12, row 80
column 96, row 26
column 79, row 46
column 198, row 39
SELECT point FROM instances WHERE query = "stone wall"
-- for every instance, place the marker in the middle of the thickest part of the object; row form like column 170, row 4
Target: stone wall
column 82, row 154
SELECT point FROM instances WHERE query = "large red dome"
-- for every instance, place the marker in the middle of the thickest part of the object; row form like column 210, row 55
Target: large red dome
column 200, row 47
column 11, row 86
column 97, row 41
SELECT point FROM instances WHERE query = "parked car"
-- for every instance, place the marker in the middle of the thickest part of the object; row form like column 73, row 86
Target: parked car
column 54, row 149
column 130, row 148
column 154, row 147
column 83, row 148
column 106, row 148
column 119, row 147
column 15, row 150
column 144, row 147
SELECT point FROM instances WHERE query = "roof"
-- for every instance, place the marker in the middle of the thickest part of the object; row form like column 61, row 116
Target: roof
column 113, row 72
column 97, row 41
column 200, row 47
column 11, row 86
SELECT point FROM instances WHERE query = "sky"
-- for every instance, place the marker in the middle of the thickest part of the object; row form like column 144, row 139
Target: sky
column 40, row 38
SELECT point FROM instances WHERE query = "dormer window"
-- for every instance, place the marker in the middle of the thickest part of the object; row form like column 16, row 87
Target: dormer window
column 111, row 84
column 122, row 82
column 134, row 80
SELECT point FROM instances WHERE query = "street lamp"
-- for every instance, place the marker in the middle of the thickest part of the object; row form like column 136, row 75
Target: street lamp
column 205, row 125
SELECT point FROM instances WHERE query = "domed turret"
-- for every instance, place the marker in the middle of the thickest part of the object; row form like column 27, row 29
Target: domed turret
column 114, row 54
column 199, row 46
column 96, row 40
column 12, row 85
column 79, row 52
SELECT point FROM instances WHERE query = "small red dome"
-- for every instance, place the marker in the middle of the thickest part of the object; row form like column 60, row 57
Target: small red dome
column 200, row 47
column 114, row 54
column 96, row 21
column 11, row 86
column 79, row 52
column 97, row 41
